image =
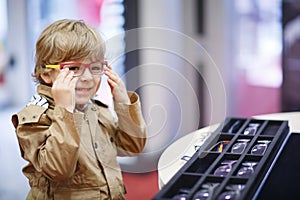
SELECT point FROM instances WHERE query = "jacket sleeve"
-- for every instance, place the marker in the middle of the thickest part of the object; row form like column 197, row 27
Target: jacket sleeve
column 50, row 144
column 131, row 134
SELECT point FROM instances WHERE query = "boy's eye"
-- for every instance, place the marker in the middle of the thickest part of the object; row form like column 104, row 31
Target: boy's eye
column 95, row 68
column 74, row 68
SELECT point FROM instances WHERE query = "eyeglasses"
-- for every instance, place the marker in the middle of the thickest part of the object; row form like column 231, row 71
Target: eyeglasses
column 260, row 148
column 206, row 191
column 233, row 192
column 251, row 129
column 181, row 195
column 225, row 168
column 96, row 68
column 220, row 146
column 247, row 170
column 240, row 146
column 234, row 126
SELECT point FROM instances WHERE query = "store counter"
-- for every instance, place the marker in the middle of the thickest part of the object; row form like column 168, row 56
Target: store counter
column 175, row 156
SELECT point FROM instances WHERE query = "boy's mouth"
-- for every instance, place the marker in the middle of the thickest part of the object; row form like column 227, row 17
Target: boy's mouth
column 83, row 89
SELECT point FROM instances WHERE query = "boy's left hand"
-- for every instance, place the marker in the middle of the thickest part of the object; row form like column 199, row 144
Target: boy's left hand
column 117, row 86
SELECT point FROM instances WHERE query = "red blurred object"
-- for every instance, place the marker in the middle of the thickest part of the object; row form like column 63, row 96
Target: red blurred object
column 1, row 78
column 142, row 186
column 89, row 11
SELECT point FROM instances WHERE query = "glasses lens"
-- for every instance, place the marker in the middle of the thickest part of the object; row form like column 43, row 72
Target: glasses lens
column 239, row 147
column 180, row 197
column 202, row 194
column 206, row 191
column 76, row 68
column 238, row 187
column 259, row 149
column 252, row 128
column 228, row 195
column 247, row 170
column 250, row 131
column 234, row 127
column 225, row 168
column 233, row 192
column 97, row 68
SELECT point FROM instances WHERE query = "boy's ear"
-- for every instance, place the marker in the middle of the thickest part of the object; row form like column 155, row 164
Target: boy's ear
column 46, row 77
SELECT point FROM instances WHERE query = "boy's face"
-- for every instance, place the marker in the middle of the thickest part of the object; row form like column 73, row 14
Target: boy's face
column 86, row 86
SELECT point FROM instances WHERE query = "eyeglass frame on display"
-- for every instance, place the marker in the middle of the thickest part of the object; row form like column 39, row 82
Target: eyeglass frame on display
column 244, row 166
column 223, row 144
column 225, row 163
column 240, row 141
column 264, row 143
column 210, row 187
column 252, row 127
column 230, row 188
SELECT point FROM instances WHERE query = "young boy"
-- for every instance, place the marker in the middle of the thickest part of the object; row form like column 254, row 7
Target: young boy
column 69, row 139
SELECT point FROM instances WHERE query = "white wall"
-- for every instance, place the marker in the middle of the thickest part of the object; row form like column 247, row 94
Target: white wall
column 18, row 77
column 171, row 53
column 220, row 46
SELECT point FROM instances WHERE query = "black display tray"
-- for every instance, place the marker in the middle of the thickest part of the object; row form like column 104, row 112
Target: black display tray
column 201, row 173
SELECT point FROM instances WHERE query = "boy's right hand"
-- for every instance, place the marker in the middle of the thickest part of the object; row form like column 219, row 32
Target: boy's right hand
column 63, row 89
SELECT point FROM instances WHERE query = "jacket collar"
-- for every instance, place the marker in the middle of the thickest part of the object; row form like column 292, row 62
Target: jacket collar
column 45, row 91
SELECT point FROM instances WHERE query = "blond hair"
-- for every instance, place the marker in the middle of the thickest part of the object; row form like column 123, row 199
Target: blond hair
column 66, row 40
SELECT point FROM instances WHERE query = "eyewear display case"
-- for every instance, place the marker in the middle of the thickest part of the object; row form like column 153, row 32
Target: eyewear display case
column 231, row 164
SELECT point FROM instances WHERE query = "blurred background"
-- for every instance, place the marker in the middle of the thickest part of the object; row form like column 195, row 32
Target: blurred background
column 193, row 62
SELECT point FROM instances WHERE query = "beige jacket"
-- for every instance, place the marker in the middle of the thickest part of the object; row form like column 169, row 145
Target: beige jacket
column 73, row 155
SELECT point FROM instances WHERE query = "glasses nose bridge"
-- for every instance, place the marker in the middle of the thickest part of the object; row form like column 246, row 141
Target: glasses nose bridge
column 84, row 70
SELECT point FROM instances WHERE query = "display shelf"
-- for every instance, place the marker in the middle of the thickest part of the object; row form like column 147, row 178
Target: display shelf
column 232, row 161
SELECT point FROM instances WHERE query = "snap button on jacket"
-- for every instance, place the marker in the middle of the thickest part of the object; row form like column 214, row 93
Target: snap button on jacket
column 73, row 155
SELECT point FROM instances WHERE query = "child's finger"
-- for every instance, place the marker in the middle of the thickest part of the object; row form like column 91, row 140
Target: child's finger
column 74, row 81
column 108, row 66
column 62, row 74
column 69, row 76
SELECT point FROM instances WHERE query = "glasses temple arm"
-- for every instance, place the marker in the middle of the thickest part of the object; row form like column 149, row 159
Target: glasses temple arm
column 53, row 66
